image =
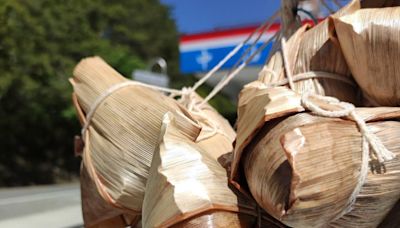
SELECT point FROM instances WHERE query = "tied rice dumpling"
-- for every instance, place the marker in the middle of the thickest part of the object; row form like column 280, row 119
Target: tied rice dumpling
column 122, row 135
column 302, row 180
column 312, row 52
column 124, row 127
column 369, row 39
column 187, row 187
column 303, row 169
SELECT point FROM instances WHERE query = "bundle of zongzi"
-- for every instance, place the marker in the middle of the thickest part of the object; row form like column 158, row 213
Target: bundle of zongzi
column 295, row 176
column 303, row 171
column 122, row 122
column 295, row 166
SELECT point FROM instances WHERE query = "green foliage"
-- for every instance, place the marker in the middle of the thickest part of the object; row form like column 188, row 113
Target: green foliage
column 40, row 42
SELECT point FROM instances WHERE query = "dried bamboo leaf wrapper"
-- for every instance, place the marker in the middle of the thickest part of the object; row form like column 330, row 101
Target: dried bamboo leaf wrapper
column 369, row 39
column 305, row 181
column 392, row 219
column 213, row 115
column 276, row 63
column 317, row 52
column 220, row 219
column 188, row 187
column 379, row 113
column 123, row 133
column 313, row 50
column 183, row 181
column 221, row 141
column 270, row 182
column 257, row 105
column 96, row 212
column 382, row 190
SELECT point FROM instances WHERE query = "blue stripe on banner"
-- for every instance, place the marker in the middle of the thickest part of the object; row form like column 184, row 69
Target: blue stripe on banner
column 204, row 60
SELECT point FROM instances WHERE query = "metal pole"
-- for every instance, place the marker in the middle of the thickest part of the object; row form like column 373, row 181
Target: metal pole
column 289, row 17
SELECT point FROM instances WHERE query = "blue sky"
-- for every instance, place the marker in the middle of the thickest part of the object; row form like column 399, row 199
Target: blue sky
column 194, row 16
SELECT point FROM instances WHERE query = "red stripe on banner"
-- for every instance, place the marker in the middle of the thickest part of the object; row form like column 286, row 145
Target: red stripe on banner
column 223, row 33
column 231, row 32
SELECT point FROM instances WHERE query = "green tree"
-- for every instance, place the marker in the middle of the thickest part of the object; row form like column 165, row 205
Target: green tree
column 40, row 42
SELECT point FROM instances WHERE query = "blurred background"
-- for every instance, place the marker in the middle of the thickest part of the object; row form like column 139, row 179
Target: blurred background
column 42, row 40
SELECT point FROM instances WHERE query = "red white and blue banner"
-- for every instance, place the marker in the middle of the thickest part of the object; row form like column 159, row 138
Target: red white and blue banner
column 201, row 52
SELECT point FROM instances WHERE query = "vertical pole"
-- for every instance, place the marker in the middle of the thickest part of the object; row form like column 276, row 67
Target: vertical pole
column 289, row 15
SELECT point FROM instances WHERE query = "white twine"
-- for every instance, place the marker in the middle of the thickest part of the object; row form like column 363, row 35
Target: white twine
column 189, row 101
column 231, row 75
column 249, row 49
column 266, row 25
column 361, row 179
column 348, row 110
column 379, row 153
column 237, row 68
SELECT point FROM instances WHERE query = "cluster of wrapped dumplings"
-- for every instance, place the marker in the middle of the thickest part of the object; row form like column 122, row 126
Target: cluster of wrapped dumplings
column 316, row 143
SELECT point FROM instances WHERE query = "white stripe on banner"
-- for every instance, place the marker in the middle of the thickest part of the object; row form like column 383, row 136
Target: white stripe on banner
column 219, row 42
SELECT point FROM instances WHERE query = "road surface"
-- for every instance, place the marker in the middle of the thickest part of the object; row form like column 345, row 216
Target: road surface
column 45, row 206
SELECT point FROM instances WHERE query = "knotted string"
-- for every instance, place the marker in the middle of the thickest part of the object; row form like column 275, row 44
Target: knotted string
column 189, row 100
column 379, row 151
